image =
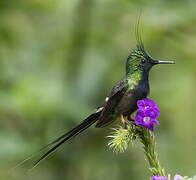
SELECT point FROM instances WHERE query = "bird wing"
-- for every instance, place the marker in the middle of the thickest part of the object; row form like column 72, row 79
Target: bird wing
column 108, row 109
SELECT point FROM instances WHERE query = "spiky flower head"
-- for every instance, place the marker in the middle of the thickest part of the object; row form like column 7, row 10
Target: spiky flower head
column 120, row 138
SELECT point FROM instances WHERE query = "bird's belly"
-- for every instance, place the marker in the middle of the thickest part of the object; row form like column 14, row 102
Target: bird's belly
column 128, row 103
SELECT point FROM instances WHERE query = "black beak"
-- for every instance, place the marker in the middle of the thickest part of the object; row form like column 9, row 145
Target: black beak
column 162, row 62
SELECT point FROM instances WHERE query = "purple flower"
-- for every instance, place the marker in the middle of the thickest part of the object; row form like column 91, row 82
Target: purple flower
column 148, row 105
column 178, row 177
column 147, row 113
column 158, row 178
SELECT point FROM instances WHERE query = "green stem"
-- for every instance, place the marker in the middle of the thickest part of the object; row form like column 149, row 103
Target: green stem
column 147, row 138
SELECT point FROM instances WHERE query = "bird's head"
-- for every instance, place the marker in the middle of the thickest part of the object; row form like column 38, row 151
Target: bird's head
column 140, row 61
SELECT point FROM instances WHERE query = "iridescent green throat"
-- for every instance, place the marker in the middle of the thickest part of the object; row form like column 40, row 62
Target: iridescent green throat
column 133, row 79
column 133, row 72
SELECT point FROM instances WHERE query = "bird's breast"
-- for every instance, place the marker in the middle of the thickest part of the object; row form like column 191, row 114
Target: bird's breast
column 128, row 103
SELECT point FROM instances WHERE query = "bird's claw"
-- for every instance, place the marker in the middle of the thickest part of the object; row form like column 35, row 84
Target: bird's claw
column 126, row 123
column 122, row 120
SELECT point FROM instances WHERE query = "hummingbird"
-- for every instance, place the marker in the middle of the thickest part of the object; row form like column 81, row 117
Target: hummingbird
column 121, row 102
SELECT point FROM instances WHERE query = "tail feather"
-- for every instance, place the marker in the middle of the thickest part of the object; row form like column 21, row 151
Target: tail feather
column 94, row 115
column 90, row 120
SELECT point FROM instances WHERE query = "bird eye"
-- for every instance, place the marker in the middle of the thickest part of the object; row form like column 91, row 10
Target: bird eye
column 143, row 61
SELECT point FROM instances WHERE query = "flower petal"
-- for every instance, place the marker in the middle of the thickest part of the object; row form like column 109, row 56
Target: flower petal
column 154, row 121
column 141, row 104
column 150, row 113
column 178, row 177
column 149, row 102
column 140, row 113
column 158, row 178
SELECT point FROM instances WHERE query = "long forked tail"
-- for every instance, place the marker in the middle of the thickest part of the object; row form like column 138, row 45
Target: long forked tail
column 90, row 120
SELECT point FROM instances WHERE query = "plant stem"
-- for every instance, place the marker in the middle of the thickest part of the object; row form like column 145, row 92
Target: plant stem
column 147, row 138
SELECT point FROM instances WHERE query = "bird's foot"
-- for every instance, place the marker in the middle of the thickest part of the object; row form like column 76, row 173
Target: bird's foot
column 126, row 123
column 129, row 121
column 122, row 120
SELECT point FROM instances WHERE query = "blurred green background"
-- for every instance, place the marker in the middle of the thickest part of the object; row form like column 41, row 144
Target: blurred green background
column 59, row 59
